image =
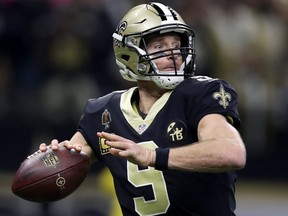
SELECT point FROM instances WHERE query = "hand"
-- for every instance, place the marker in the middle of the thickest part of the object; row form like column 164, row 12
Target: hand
column 55, row 145
column 128, row 149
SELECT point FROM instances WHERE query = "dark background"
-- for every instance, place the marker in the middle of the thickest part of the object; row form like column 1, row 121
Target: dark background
column 55, row 54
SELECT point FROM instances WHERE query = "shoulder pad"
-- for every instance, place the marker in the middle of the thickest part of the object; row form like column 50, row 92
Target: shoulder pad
column 96, row 104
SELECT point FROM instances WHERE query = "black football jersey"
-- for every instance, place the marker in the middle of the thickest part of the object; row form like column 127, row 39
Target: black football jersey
column 171, row 122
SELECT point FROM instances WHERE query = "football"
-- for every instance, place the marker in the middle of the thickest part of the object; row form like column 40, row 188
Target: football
column 51, row 175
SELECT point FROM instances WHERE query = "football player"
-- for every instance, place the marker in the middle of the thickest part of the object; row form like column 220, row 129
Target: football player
column 171, row 142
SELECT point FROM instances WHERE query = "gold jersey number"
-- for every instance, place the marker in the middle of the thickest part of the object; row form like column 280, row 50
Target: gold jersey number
column 146, row 177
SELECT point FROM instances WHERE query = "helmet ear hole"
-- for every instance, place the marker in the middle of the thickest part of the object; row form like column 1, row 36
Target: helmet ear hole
column 125, row 57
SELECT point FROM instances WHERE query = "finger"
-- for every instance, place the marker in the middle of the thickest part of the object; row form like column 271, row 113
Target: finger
column 117, row 145
column 103, row 135
column 70, row 145
column 75, row 147
column 99, row 134
column 78, row 148
column 54, row 144
column 42, row 147
column 114, row 151
column 67, row 144
column 112, row 137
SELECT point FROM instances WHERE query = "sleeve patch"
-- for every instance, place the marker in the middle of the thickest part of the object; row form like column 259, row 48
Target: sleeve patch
column 222, row 96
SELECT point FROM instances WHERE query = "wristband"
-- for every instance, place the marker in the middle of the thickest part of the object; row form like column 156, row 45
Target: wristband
column 161, row 161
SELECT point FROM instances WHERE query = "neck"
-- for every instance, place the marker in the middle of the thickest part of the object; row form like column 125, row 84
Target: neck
column 149, row 93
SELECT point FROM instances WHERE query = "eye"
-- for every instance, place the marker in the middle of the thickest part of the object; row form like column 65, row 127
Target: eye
column 176, row 45
column 158, row 46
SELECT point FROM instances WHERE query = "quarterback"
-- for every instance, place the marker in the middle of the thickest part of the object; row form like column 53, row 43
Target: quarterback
column 171, row 142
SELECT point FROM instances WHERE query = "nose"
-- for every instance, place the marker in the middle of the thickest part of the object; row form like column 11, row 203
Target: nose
column 173, row 55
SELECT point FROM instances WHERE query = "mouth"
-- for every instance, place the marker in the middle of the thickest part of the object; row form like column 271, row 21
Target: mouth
column 169, row 68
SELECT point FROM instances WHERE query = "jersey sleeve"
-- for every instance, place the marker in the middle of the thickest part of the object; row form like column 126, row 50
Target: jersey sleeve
column 215, row 96
column 91, row 120
column 87, row 123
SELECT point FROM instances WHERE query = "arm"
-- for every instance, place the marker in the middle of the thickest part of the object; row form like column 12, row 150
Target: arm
column 77, row 142
column 220, row 148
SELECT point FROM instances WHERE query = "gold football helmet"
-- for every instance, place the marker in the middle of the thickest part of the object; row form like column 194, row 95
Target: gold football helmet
column 142, row 22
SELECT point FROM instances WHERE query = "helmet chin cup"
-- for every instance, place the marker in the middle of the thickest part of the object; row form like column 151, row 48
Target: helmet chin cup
column 167, row 82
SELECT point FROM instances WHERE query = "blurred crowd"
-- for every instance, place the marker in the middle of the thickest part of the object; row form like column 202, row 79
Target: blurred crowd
column 55, row 54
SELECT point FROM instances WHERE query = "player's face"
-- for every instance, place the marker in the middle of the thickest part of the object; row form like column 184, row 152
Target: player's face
column 161, row 43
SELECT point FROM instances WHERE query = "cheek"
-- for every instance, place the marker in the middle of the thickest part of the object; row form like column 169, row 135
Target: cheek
column 179, row 62
column 160, row 63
